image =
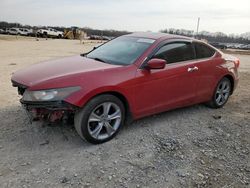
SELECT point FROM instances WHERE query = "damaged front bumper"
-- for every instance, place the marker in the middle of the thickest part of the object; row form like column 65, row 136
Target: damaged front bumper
column 49, row 111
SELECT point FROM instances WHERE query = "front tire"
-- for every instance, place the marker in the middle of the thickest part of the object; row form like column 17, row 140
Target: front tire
column 100, row 119
column 221, row 93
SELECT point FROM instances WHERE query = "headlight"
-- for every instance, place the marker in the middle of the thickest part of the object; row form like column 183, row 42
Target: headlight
column 49, row 95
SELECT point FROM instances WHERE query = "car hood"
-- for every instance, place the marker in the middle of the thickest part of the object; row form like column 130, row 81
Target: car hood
column 51, row 70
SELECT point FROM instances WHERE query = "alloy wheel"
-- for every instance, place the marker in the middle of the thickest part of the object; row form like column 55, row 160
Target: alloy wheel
column 222, row 92
column 104, row 120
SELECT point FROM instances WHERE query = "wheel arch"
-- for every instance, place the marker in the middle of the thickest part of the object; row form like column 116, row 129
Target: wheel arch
column 119, row 96
column 231, row 79
column 81, row 120
column 126, row 102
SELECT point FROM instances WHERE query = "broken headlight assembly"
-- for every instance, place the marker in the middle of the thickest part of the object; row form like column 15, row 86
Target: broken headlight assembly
column 49, row 95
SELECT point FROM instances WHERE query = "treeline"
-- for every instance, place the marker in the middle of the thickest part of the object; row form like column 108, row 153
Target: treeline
column 112, row 33
column 4, row 25
column 210, row 37
column 224, row 39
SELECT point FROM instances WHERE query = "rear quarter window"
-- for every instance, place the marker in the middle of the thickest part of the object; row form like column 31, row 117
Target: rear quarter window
column 203, row 51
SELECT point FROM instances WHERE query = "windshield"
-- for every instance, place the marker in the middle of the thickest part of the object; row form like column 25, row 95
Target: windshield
column 121, row 51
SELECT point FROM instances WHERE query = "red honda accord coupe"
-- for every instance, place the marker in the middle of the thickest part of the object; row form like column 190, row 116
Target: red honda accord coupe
column 135, row 75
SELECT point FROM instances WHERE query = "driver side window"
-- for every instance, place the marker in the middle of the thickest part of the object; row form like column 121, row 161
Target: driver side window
column 176, row 52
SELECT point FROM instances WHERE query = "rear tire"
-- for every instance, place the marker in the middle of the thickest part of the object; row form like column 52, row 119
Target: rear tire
column 94, row 124
column 221, row 93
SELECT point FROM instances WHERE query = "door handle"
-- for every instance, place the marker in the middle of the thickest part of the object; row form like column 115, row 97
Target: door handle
column 191, row 69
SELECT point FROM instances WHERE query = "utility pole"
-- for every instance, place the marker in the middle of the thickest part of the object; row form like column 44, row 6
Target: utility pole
column 198, row 25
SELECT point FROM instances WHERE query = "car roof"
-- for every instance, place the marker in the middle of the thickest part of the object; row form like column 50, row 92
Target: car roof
column 156, row 36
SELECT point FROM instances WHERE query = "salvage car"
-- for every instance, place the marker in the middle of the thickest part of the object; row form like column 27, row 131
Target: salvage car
column 129, row 77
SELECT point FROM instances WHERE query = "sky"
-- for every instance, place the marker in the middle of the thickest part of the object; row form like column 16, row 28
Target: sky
column 132, row 15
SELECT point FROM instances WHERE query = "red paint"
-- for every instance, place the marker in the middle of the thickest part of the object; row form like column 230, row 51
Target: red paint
column 156, row 64
column 148, row 91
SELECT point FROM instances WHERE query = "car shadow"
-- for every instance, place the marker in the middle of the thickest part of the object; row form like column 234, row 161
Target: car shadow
column 164, row 116
column 17, row 129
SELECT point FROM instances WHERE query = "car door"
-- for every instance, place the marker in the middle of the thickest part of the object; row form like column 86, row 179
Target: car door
column 50, row 31
column 171, row 87
column 205, row 62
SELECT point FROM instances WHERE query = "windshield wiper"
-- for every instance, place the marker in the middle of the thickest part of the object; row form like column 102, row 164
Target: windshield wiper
column 83, row 55
column 98, row 59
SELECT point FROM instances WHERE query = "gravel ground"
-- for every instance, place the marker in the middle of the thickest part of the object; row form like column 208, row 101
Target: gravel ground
column 189, row 147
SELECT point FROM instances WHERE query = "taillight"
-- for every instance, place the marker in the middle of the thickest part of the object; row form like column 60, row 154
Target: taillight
column 237, row 63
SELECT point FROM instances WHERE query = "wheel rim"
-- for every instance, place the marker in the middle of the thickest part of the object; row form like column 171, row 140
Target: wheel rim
column 222, row 92
column 104, row 120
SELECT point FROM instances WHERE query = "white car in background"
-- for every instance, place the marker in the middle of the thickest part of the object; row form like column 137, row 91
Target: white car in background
column 19, row 31
column 12, row 31
column 24, row 31
column 49, row 32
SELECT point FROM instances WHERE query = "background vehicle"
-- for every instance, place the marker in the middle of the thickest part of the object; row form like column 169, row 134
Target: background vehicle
column 131, row 76
column 49, row 33
column 13, row 31
column 218, row 45
column 25, row 32
column 18, row 31
column 246, row 47
column 2, row 31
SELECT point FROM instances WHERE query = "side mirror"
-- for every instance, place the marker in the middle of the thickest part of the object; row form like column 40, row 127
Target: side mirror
column 156, row 64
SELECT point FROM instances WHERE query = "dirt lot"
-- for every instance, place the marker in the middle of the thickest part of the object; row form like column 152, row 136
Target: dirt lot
column 190, row 147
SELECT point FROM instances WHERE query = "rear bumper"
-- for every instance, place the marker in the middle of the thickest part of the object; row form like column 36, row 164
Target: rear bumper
column 236, row 81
